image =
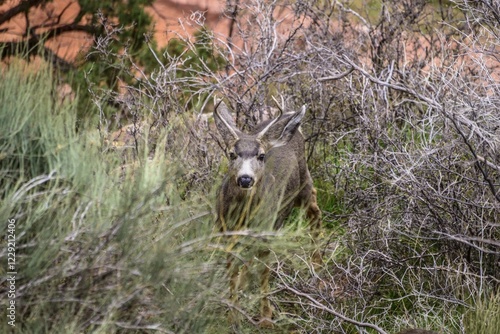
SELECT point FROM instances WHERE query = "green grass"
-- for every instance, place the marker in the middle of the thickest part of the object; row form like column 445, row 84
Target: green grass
column 108, row 241
column 485, row 317
column 96, row 247
column 104, row 239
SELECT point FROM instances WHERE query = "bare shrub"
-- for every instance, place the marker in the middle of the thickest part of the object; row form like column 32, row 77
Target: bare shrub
column 417, row 166
column 403, row 133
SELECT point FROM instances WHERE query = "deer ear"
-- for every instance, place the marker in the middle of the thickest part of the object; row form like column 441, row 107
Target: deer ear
column 225, row 124
column 282, row 130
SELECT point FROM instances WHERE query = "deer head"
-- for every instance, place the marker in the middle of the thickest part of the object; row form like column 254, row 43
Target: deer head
column 247, row 152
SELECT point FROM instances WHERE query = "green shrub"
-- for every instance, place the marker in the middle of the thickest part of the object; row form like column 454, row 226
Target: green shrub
column 101, row 243
column 484, row 318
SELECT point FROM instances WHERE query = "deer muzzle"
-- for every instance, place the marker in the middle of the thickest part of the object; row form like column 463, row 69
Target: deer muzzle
column 245, row 181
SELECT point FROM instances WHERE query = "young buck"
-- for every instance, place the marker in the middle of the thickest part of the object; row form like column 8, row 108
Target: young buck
column 267, row 177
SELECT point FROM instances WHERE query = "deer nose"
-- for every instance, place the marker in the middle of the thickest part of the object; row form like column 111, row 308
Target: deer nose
column 245, row 181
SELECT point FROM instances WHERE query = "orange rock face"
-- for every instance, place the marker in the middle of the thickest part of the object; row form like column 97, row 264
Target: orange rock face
column 48, row 16
column 171, row 18
column 182, row 17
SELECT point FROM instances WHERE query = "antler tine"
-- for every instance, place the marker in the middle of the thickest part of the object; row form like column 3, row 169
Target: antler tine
column 280, row 108
column 263, row 131
column 222, row 114
column 217, row 101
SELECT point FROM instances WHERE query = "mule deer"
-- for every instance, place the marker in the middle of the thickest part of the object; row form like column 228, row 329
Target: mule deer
column 267, row 177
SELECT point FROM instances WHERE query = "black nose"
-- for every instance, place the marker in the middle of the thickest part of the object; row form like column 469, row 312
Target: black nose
column 245, row 181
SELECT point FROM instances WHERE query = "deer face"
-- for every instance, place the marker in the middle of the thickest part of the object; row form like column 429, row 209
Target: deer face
column 247, row 153
column 247, row 158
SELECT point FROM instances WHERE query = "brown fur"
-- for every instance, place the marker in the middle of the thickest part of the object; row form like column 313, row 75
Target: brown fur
column 280, row 181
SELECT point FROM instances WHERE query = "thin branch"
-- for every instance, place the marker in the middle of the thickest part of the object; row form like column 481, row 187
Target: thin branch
column 23, row 6
column 315, row 303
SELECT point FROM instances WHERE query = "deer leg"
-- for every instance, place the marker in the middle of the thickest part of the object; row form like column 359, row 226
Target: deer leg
column 313, row 214
column 266, row 310
column 233, row 270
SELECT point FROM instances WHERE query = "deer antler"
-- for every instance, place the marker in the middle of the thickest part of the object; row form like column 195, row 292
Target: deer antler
column 282, row 107
column 263, row 131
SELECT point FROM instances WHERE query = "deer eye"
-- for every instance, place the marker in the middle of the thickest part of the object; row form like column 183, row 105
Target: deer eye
column 232, row 156
column 261, row 157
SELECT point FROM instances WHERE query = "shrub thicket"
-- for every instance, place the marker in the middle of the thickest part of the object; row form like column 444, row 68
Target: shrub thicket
column 403, row 142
